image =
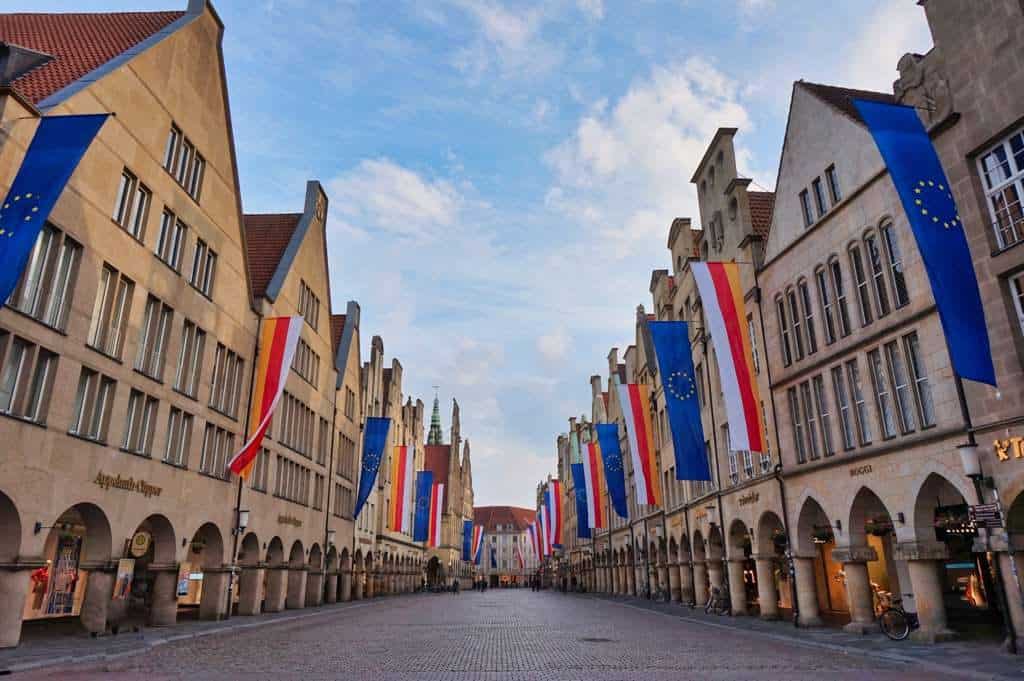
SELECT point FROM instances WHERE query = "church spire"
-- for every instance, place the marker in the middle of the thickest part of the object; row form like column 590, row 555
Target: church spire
column 435, row 436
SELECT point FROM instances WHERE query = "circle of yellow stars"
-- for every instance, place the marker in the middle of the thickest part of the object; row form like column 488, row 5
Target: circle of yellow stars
column 922, row 185
column 9, row 231
column 371, row 462
column 680, row 385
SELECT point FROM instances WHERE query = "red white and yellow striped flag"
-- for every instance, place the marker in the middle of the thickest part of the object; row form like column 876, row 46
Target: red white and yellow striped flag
column 401, row 489
column 635, row 400
column 278, row 339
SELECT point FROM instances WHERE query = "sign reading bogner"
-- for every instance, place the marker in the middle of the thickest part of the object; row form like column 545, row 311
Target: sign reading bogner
column 127, row 484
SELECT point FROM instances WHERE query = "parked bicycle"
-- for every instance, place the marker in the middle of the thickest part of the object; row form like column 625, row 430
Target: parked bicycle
column 895, row 622
column 718, row 602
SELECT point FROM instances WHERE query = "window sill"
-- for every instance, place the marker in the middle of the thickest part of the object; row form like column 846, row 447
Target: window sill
column 124, row 229
column 179, row 466
column 85, row 438
column 212, row 476
column 155, row 379
column 167, row 264
column 181, row 186
column 200, row 292
column 999, row 251
column 26, row 315
column 223, row 413
column 257, row 489
column 112, row 358
column 23, row 419
column 194, row 398
column 141, row 455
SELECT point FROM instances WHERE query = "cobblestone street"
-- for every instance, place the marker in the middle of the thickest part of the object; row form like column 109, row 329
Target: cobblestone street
column 514, row 634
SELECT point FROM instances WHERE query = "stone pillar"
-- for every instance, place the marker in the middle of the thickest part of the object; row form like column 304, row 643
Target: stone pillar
column 663, row 577
column 767, row 594
column 858, row 586
column 737, row 589
column 331, row 588
column 277, row 589
column 314, row 588
column 213, row 602
column 163, row 610
column 250, row 590
column 98, row 591
column 631, row 579
column 1014, row 596
column 356, row 579
column 806, row 592
column 369, row 588
column 13, row 591
column 296, row 589
column 714, row 571
column 700, row 582
column 923, row 561
column 674, row 589
column 686, row 592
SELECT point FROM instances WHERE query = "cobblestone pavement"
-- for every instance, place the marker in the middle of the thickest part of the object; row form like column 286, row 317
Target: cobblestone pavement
column 498, row 635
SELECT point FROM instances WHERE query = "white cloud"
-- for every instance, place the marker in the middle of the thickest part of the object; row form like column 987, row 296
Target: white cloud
column 592, row 9
column 553, row 346
column 509, row 40
column 541, row 110
column 894, row 29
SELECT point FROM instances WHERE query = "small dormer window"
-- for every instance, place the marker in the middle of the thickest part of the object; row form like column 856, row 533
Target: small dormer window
column 717, row 233
column 679, row 263
column 734, row 208
column 703, row 187
column 711, row 177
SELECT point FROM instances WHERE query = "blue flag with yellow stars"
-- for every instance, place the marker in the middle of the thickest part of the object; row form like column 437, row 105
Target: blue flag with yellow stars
column 614, row 474
column 375, row 437
column 671, row 342
column 57, row 147
column 579, row 483
column 467, row 539
column 921, row 183
column 421, row 515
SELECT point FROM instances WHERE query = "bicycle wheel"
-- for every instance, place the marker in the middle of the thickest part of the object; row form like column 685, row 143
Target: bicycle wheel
column 894, row 624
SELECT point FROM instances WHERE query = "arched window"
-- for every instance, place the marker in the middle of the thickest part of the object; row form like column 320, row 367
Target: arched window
column 827, row 304
column 784, row 331
column 860, row 279
column 842, row 309
column 796, row 322
column 877, row 273
column 804, row 293
column 734, row 208
column 900, row 294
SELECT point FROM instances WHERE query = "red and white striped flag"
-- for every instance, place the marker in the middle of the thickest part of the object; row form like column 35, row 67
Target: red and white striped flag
column 635, row 400
column 436, row 509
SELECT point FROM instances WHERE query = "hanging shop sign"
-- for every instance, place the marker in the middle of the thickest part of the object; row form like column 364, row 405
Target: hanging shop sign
column 1009, row 448
column 140, row 543
column 988, row 516
column 127, row 484
column 123, row 584
column 289, row 520
column 750, row 498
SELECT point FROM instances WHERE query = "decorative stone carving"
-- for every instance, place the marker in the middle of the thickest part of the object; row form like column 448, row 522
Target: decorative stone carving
column 921, row 85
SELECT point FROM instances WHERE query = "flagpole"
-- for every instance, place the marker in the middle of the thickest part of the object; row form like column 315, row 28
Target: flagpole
column 718, row 470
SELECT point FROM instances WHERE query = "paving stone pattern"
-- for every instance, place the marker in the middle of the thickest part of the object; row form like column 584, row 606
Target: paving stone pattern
column 498, row 635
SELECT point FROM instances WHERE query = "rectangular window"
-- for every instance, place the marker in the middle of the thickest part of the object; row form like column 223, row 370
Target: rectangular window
column 883, row 394
column 846, row 418
column 824, row 415
column 795, row 320
column 698, row 372
column 811, row 418
column 93, row 401
column 260, row 471
column 322, row 438
column 1017, row 293
column 833, row 185
column 1002, row 176
column 204, row 266
column 797, row 423
column 787, row 353
column 843, row 314
column 805, row 208
column 156, row 328
column 26, row 379
column 183, row 164
column 131, row 209
column 306, row 362
column 350, row 404
column 901, row 386
column 190, row 359
column 859, row 403
column 179, row 437
column 309, row 305
column 110, row 312
column 218, row 447
column 766, row 455
column 171, row 151
column 226, row 381
column 895, row 256
column 922, row 386
column 808, row 311
column 863, row 292
column 754, row 354
column 195, row 176
column 140, row 423
column 819, row 196
column 318, row 492
column 877, row 274
column 827, row 311
column 48, row 280
column 171, row 243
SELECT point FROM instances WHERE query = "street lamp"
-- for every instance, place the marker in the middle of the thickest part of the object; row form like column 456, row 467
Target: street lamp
column 331, row 534
column 243, row 520
column 970, row 459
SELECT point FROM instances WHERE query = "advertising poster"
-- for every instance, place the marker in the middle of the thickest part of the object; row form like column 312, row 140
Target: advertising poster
column 123, row 583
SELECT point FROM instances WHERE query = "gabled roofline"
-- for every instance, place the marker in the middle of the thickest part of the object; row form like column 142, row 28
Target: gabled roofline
column 719, row 134
column 345, row 344
column 192, row 12
column 313, row 190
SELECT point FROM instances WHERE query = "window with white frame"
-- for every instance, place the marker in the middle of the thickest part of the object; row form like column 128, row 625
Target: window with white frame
column 754, row 353
column 190, row 359
column 1002, row 176
column 807, row 309
column 860, row 279
column 922, row 385
column 185, row 164
column 877, row 273
column 226, row 381
column 819, row 197
column 784, row 333
column 140, row 423
column 179, row 437
column 218, row 447
column 131, row 208
column 309, row 305
column 846, row 417
column 766, row 455
column 825, row 299
column 171, row 242
column 900, row 294
column 900, row 380
column 26, row 378
column 45, row 288
column 842, row 311
column 204, row 267
column 805, row 208
column 110, row 312
column 260, row 470
column 797, row 422
column 859, row 403
column 811, row 418
column 93, row 401
column 156, row 329
column 883, row 394
column 833, row 184
column 824, row 415
column 796, row 322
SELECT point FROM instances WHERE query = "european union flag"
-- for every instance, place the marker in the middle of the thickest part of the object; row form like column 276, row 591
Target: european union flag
column 614, row 475
column 921, row 183
column 494, row 558
column 672, row 347
column 375, row 437
column 421, row 519
column 467, row 539
column 579, row 483
column 57, row 147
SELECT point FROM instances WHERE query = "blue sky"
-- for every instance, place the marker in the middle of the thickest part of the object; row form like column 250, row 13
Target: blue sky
column 503, row 174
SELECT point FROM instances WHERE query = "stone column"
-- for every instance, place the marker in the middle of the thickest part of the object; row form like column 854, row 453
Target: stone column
column 700, row 582
column 737, row 589
column 163, row 610
column 806, row 591
column 923, row 560
column 714, row 571
column 674, row 589
column 767, row 594
column 213, row 602
column 630, row 579
column 14, row 581
column 663, row 577
column 277, row 589
column 370, row 587
column 1014, row 597
column 331, row 595
column 98, row 591
column 250, row 590
column 858, row 586
column 356, row 579
column 296, row 589
column 314, row 588
column 686, row 592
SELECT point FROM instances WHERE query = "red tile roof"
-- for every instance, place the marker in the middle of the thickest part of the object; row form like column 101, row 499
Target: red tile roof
column 761, row 206
column 435, row 458
column 79, row 43
column 337, row 328
column 491, row 516
column 267, row 237
column 841, row 98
